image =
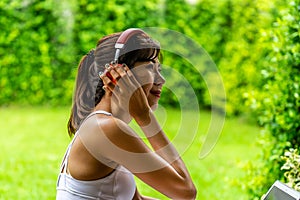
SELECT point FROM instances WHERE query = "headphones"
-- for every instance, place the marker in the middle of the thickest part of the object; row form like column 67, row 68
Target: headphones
column 124, row 37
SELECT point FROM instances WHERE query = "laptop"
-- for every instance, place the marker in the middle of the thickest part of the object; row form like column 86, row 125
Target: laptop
column 280, row 191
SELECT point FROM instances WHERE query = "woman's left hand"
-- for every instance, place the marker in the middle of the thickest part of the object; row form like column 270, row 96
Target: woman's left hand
column 127, row 92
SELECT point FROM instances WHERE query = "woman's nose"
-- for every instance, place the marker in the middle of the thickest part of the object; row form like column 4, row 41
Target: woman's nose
column 159, row 79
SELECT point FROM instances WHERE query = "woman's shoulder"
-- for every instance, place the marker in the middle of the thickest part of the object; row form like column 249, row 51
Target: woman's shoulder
column 109, row 134
column 108, row 125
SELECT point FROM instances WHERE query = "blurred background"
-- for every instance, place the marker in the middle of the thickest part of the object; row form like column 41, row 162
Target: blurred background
column 253, row 43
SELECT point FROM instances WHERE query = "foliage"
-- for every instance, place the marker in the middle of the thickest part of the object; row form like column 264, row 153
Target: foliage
column 94, row 19
column 48, row 38
column 32, row 51
column 244, row 52
column 277, row 105
column 291, row 167
column 41, row 43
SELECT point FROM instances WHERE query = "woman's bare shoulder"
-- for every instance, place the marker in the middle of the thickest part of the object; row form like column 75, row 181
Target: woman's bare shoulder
column 101, row 120
column 109, row 126
column 111, row 135
column 112, row 125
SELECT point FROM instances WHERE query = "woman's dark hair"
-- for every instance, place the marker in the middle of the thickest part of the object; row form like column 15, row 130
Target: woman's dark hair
column 88, row 90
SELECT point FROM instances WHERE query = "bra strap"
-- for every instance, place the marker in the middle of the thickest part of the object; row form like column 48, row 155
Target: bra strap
column 100, row 112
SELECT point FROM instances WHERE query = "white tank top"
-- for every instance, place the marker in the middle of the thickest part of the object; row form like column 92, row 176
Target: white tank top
column 118, row 185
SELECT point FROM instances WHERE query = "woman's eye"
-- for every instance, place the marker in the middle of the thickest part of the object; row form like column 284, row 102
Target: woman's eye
column 150, row 66
column 159, row 69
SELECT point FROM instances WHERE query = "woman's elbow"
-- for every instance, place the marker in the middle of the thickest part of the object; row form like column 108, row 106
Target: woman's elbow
column 192, row 193
column 187, row 193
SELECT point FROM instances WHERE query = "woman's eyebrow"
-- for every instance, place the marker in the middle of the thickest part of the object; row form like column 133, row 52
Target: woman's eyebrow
column 159, row 67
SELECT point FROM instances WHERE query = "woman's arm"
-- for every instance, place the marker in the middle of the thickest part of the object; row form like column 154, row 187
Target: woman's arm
column 162, row 145
column 163, row 168
column 115, row 140
column 165, row 149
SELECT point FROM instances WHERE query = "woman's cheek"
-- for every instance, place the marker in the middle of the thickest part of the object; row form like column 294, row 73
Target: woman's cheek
column 147, row 88
column 145, row 78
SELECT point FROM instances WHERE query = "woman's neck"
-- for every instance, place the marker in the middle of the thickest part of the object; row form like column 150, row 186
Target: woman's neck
column 107, row 105
column 104, row 104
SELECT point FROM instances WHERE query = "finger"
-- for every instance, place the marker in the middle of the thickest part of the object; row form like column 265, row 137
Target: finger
column 115, row 75
column 125, row 67
column 110, row 76
column 125, row 82
column 106, row 89
column 118, row 73
column 107, row 72
column 121, row 70
column 134, row 81
column 113, row 72
column 107, row 81
column 129, row 73
column 121, row 75
column 100, row 74
column 104, row 78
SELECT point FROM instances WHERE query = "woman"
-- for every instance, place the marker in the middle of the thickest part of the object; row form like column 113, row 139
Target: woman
column 105, row 152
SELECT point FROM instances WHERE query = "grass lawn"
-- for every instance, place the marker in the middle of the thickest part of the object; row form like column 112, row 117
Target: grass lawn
column 33, row 141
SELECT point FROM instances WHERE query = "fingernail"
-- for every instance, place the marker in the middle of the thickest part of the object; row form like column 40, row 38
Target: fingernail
column 106, row 66
column 129, row 73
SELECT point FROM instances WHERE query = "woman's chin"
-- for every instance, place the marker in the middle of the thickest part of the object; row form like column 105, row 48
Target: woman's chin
column 154, row 106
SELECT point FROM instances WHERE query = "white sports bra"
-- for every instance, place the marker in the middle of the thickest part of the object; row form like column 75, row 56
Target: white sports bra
column 118, row 185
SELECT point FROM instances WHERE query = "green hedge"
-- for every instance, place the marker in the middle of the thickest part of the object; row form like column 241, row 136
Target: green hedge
column 32, row 64
column 277, row 104
column 43, row 41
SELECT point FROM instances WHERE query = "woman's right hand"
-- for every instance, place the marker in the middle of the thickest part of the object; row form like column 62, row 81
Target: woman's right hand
column 127, row 92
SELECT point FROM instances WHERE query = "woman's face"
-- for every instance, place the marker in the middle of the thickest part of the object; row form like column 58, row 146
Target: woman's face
column 148, row 75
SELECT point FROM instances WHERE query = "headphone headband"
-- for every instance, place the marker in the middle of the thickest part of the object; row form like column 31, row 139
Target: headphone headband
column 124, row 37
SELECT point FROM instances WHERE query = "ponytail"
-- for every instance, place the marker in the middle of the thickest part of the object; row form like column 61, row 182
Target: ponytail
column 88, row 91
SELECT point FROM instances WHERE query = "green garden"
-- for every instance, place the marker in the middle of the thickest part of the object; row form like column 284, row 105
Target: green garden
column 255, row 46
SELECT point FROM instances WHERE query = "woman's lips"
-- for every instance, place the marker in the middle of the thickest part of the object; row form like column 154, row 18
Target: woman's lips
column 156, row 93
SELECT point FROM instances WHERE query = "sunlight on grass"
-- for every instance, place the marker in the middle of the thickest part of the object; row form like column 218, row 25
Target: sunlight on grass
column 33, row 141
